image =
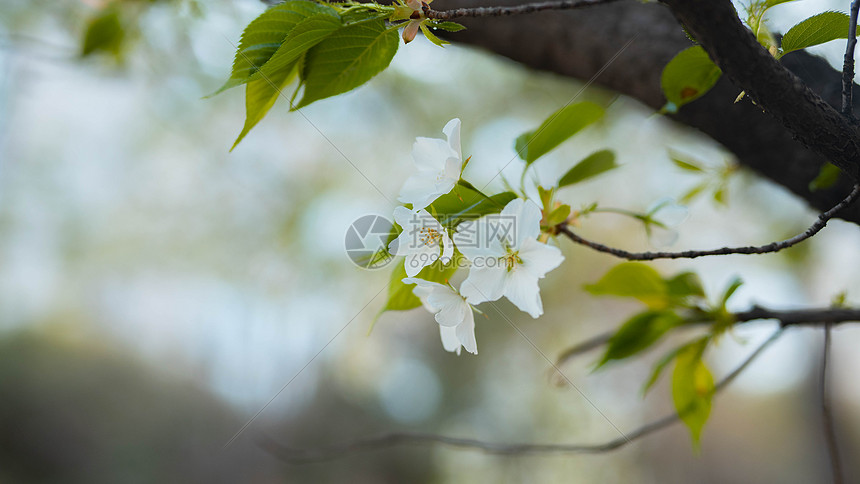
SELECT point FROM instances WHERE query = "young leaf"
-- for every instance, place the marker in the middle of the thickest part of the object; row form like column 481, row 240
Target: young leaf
column 827, row 177
column 692, row 389
column 816, row 30
column 593, row 165
column 558, row 215
column 309, row 32
column 685, row 284
column 639, row 333
column 633, row 279
column 104, row 33
column 730, row 290
column 347, row 59
column 264, row 36
column 431, row 36
column 260, row 96
column 466, row 203
column 688, row 76
column 664, row 362
column 448, row 26
column 560, row 126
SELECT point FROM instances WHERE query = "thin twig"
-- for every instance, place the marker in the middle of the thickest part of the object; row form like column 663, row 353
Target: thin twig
column 848, row 64
column 827, row 413
column 511, row 10
column 584, row 347
column 692, row 254
column 301, row 456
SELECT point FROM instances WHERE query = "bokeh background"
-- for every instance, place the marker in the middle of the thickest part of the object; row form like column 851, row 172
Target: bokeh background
column 157, row 292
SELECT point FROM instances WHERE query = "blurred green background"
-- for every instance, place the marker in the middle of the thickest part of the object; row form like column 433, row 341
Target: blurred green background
column 157, row 291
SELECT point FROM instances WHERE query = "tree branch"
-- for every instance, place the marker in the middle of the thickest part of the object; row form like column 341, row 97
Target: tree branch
column 302, row 456
column 827, row 413
column 578, row 43
column 797, row 317
column 510, row 10
column 789, row 317
column 816, row 227
column 816, row 124
column 848, row 64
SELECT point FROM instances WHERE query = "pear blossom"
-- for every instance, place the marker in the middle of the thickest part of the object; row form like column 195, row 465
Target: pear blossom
column 506, row 257
column 423, row 240
column 452, row 312
column 439, row 165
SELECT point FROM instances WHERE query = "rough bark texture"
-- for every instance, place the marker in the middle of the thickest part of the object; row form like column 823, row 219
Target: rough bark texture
column 580, row 43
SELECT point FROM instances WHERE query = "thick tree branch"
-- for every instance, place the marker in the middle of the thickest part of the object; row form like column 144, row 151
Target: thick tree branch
column 790, row 317
column 302, row 456
column 733, row 47
column 578, row 44
column 525, row 8
column 816, row 227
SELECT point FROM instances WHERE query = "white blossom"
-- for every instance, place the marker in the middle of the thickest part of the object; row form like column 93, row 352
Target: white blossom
column 423, row 240
column 506, row 257
column 439, row 164
column 452, row 312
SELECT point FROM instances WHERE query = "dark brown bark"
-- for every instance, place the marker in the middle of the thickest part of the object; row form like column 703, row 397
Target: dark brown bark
column 579, row 43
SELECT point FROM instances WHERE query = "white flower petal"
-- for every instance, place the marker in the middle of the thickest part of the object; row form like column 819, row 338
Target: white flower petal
column 466, row 332
column 453, row 167
column 452, row 132
column 450, row 341
column 522, row 289
column 539, row 258
column 420, row 190
column 484, row 284
column 527, row 215
column 432, row 154
column 452, row 312
column 447, row 247
column 473, row 239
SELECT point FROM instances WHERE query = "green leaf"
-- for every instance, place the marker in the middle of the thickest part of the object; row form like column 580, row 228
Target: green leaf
column 664, row 362
column 639, row 333
column 558, row 215
column 816, row 30
column 730, row 290
column 307, row 33
column 448, row 26
column 560, row 126
column 104, row 33
column 633, row 279
column 827, row 177
column 688, row 76
column 593, row 165
column 260, row 96
column 347, row 59
column 467, row 203
column 692, row 389
column 264, row 36
column 685, row 284
column 432, row 37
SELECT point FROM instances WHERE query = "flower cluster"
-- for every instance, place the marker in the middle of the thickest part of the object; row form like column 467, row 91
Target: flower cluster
column 504, row 254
